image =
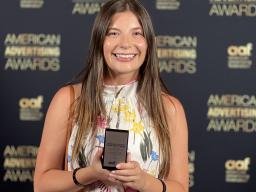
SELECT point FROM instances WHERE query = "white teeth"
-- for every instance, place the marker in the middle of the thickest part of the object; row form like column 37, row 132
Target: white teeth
column 128, row 56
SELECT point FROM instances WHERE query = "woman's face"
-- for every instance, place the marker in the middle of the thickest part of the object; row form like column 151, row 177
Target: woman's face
column 124, row 46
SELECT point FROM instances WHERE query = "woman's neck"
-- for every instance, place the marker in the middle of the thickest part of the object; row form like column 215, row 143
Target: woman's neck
column 120, row 80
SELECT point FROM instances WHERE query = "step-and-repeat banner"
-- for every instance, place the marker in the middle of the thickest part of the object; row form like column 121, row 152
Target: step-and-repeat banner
column 207, row 57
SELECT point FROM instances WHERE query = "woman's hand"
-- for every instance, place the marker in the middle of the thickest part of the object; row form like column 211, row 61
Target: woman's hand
column 131, row 175
column 100, row 173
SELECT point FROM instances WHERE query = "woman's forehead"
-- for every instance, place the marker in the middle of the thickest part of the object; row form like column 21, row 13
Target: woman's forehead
column 126, row 18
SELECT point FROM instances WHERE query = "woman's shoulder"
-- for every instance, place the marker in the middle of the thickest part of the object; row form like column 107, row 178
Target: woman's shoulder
column 65, row 95
column 66, row 92
column 172, row 104
column 175, row 114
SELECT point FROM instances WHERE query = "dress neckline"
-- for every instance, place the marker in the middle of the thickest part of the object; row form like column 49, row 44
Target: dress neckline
column 121, row 85
column 126, row 88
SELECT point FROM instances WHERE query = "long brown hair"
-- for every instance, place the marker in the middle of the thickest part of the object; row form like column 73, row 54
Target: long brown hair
column 150, row 86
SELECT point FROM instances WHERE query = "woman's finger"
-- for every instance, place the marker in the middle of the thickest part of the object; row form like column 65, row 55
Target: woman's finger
column 123, row 178
column 125, row 172
column 129, row 165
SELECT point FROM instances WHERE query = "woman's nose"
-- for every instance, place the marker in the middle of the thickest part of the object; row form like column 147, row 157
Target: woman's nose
column 125, row 41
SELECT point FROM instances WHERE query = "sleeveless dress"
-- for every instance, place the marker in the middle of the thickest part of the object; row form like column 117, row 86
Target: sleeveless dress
column 122, row 111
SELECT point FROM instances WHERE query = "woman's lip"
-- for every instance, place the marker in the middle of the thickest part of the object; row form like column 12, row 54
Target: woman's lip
column 125, row 53
column 124, row 57
column 118, row 55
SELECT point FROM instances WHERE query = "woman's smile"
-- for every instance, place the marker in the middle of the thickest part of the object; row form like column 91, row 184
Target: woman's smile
column 124, row 46
column 124, row 57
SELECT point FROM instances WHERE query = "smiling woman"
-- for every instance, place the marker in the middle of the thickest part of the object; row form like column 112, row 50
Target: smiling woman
column 120, row 89
column 124, row 47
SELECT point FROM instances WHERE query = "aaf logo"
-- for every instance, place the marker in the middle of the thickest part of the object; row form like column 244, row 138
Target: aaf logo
column 35, row 103
column 167, row 4
column 31, row 4
column 238, row 164
column 239, row 56
column 237, row 170
column 30, row 108
column 243, row 50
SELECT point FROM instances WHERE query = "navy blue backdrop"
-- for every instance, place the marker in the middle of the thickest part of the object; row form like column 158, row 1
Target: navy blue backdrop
column 207, row 58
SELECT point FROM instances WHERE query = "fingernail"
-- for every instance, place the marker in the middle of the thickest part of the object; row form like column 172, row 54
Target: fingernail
column 113, row 172
column 118, row 166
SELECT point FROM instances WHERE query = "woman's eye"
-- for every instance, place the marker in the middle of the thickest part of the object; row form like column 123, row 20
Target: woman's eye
column 112, row 33
column 138, row 33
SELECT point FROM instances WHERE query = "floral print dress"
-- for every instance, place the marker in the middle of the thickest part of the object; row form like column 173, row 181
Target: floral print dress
column 122, row 111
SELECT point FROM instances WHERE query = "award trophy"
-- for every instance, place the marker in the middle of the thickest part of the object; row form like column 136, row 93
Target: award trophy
column 115, row 148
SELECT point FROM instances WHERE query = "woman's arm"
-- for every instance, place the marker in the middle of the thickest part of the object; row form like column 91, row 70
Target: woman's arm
column 178, row 179
column 49, row 173
column 50, row 159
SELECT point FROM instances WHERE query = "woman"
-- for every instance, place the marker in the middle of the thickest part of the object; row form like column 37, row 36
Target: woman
column 121, row 89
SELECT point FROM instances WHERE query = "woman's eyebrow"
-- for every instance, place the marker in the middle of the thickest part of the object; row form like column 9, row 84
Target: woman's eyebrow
column 134, row 28
column 137, row 28
column 113, row 28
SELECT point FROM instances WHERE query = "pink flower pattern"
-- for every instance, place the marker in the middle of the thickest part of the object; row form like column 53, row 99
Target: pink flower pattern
column 101, row 122
column 100, row 185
